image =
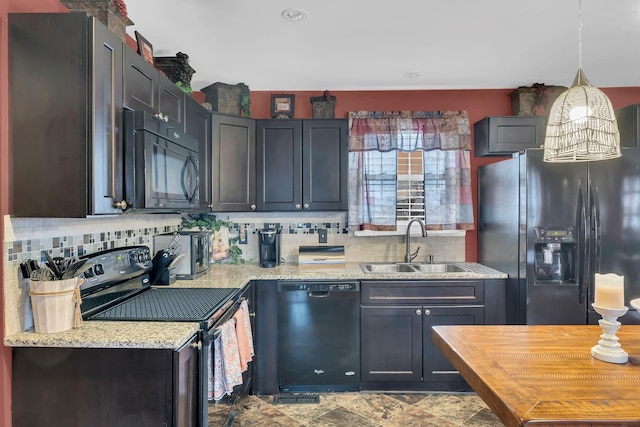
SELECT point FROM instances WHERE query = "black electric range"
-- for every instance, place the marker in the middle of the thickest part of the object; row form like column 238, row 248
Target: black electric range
column 117, row 287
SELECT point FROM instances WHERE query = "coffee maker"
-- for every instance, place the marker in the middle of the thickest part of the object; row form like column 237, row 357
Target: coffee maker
column 269, row 247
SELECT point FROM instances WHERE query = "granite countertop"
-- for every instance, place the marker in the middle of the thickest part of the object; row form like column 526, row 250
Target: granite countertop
column 168, row 335
column 236, row 276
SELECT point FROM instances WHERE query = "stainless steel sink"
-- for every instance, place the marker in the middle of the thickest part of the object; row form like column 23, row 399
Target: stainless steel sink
column 387, row 268
column 398, row 267
column 439, row 268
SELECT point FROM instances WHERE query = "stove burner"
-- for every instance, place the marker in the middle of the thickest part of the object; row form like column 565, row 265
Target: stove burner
column 175, row 304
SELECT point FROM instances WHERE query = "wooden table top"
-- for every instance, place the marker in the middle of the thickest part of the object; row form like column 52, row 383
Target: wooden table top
column 545, row 375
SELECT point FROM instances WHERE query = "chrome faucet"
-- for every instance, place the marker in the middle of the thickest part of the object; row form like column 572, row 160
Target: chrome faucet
column 408, row 256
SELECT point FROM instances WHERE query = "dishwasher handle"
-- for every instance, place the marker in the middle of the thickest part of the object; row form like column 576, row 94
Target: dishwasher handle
column 318, row 294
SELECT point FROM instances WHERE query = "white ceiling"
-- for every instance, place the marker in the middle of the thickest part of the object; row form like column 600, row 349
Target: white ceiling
column 371, row 45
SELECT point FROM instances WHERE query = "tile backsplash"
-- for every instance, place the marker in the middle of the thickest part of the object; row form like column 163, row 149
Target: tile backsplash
column 25, row 238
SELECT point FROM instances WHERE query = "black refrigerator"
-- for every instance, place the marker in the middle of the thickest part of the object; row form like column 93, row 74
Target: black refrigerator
column 552, row 226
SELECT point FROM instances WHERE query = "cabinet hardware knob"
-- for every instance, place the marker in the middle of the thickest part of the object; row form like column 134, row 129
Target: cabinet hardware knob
column 253, row 207
column 418, row 312
column 427, row 312
column 297, row 205
column 120, row 205
column 197, row 345
column 306, row 205
column 210, row 206
column 162, row 117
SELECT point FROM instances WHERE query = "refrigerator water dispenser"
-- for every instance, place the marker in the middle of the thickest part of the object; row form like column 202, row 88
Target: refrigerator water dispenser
column 555, row 254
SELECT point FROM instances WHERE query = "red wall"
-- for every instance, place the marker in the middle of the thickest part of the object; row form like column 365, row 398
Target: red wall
column 477, row 103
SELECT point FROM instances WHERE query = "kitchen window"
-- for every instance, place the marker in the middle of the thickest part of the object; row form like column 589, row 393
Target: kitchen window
column 410, row 187
column 405, row 165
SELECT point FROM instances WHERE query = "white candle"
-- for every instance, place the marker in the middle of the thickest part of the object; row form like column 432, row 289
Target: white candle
column 609, row 291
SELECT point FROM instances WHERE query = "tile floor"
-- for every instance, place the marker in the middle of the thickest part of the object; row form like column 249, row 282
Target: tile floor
column 364, row 410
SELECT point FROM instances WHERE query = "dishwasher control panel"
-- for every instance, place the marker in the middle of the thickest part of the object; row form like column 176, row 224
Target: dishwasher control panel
column 318, row 286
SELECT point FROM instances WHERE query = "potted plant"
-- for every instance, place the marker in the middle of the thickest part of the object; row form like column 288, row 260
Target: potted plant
column 223, row 246
column 112, row 13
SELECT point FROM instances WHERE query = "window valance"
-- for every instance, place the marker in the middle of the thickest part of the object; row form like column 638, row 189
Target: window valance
column 409, row 130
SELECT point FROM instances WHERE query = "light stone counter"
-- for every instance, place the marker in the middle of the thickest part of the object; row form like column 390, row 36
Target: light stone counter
column 236, row 276
column 101, row 334
column 125, row 334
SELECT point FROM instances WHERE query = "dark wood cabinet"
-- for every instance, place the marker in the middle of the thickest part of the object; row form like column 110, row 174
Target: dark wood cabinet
column 629, row 125
column 279, row 165
column 145, row 89
column 325, row 150
column 397, row 352
column 302, row 165
column 436, row 368
column 233, row 163
column 105, row 387
column 391, row 340
column 197, row 123
column 266, row 338
column 504, row 135
column 65, row 112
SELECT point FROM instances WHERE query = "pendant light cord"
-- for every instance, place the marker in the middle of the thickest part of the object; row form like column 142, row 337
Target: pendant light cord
column 579, row 34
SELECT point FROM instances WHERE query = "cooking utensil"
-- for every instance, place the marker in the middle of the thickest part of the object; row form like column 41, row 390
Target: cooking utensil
column 76, row 269
column 172, row 245
column 175, row 261
column 43, row 273
column 59, row 262
column 51, row 264
column 26, row 271
column 64, row 263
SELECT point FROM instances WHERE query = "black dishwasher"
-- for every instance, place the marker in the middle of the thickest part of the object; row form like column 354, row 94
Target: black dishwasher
column 318, row 336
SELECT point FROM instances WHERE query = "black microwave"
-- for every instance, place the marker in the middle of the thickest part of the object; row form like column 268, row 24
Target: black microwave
column 161, row 165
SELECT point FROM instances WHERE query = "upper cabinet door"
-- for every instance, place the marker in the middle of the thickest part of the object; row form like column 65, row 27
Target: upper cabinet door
column 145, row 89
column 65, row 108
column 279, row 165
column 108, row 187
column 505, row 135
column 302, row 164
column 233, row 164
column 140, row 83
column 325, row 149
column 171, row 102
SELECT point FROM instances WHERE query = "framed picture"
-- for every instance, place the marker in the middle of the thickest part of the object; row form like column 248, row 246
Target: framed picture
column 145, row 49
column 282, row 106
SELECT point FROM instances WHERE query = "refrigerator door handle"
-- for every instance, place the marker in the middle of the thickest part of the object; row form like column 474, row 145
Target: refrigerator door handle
column 582, row 235
column 595, row 224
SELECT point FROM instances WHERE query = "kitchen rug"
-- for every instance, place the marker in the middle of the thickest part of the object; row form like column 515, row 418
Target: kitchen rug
column 293, row 399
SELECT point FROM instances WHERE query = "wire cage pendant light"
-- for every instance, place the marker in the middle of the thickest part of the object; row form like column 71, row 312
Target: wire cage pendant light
column 582, row 124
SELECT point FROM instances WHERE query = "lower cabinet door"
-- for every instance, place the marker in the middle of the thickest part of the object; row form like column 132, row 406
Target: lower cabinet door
column 187, row 386
column 391, row 340
column 436, row 366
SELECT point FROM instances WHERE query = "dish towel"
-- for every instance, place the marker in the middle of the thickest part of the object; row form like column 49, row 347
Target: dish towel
column 244, row 306
column 226, row 360
column 243, row 332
